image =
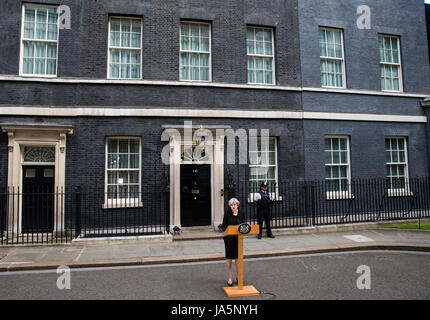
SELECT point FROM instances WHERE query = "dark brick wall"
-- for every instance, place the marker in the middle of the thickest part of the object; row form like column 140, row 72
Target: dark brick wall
column 367, row 147
column 85, row 153
column 55, row 94
column 354, row 103
column 83, row 48
column 404, row 18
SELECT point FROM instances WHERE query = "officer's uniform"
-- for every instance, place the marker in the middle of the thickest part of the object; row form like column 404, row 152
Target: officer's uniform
column 264, row 206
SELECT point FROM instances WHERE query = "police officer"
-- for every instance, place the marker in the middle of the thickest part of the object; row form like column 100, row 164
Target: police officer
column 264, row 205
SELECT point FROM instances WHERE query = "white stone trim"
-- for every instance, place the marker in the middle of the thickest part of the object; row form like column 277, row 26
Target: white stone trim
column 204, row 113
column 217, row 179
column 20, row 136
column 211, row 84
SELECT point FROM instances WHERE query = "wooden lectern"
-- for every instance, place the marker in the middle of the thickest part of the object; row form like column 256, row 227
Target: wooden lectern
column 241, row 290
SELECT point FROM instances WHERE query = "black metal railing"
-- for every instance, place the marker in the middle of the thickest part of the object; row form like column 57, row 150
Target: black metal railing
column 59, row 216
column 309, row 203
column 41, row 216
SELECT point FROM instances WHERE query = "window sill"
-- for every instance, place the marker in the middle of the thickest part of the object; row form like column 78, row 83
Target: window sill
column 341, row 195
column 24, row 75
column 122, row 205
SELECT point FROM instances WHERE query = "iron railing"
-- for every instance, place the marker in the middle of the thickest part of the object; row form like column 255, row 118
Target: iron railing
column 310, row 203
column 46, row 217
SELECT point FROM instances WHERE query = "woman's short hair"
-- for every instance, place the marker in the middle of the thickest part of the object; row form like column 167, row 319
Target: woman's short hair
column 233, row 200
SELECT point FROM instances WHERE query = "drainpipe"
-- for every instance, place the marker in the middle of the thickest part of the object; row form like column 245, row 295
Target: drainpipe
column 425, row 104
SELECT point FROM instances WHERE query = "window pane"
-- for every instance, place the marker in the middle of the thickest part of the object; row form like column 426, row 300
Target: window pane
column 114, row 70
column 250, row 47
column 135, row 57
column 28, row 49
column 259, row 47
column 29, row 28
column 204, row 44
column 41, row 31
column 123, row 146
column 134, row 177
column 125, row 56
column 194, row 30
column 112, row 177
column 184, row 73
column 125, row 39
column 204, row 74
column 204, row 60
column 135, row 40
column 204, row 30
column 185, row 43
column 123, row 160
column 115, row 39
column 251, row 76
column 268, row 77
column 28, row 66
column 52, row 16
column 41, row 15
column 30, row 13
column 113, row 161
column 195, row 44
column 51, row 51
column 39, row 66
column 115, row 24
column 52, row 32
column 136, row 26
column 51, row 65
column 135, row 71
column 185, row 29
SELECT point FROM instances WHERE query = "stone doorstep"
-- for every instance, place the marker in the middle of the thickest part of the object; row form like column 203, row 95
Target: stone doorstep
column 164, row 238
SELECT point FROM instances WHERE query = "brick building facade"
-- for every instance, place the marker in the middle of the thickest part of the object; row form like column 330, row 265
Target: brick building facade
column 339, row 102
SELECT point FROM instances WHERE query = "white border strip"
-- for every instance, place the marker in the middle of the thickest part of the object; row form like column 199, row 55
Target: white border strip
column 212, row 84
column 203, row 113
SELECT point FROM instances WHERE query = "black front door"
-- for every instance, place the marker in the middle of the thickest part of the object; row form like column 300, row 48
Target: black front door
column 195, row 195
column 38, row 198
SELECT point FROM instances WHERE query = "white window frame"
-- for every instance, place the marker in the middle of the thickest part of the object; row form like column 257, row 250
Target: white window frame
column 395, row 192
column 273, row 193
column 272, row 56
column 193, row 51
column 117, row 202
column 21, row 54
column 336, row 195
column 344, row 85
column 399, row 64
column 124, row 48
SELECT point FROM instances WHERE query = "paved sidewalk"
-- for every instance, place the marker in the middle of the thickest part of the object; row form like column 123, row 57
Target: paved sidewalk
column 116, row 253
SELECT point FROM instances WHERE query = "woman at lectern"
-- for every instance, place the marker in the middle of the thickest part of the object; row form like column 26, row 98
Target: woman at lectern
column 231, row 217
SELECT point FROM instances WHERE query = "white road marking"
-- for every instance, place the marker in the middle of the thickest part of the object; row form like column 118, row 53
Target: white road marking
column 359, row 238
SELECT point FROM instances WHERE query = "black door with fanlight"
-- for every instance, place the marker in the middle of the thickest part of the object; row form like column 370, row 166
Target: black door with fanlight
column 38, row 198
column 195, row 195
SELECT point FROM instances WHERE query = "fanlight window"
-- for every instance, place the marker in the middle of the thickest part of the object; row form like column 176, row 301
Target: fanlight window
column 196, row 153
column 39, row 154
